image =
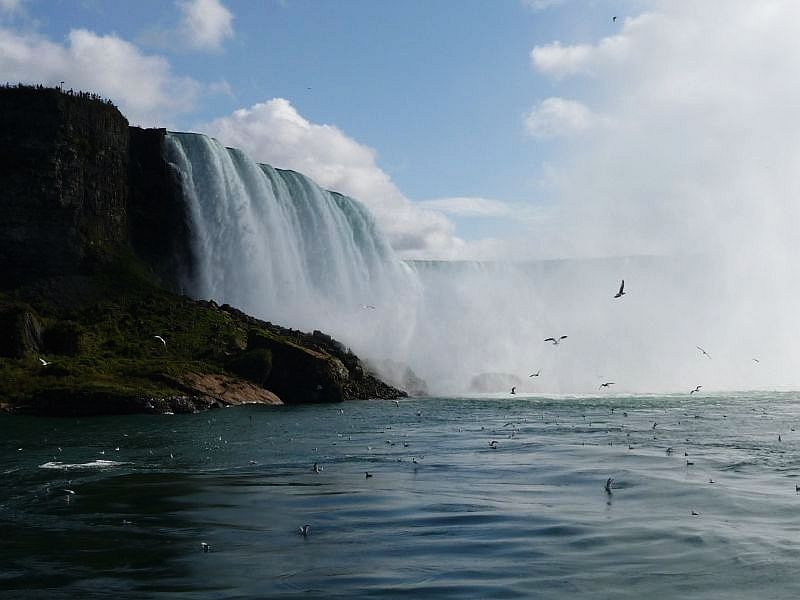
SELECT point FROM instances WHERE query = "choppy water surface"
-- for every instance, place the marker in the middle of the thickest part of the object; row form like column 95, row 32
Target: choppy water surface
column 120, row 506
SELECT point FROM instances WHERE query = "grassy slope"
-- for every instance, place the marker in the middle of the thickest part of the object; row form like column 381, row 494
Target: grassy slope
column 98, row 333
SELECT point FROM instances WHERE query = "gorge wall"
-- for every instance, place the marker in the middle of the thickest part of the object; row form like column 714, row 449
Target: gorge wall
column 77, row 184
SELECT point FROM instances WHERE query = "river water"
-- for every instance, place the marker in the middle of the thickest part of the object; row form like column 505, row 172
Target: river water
column 122, row 505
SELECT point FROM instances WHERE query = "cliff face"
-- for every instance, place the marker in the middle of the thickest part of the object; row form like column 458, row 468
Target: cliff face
column 63, row 183
column 157, row 213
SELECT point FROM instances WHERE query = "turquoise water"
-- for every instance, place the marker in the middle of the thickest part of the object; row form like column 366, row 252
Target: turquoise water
column 444, row 515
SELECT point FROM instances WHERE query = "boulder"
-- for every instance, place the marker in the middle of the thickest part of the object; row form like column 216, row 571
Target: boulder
column 300, row 375
column 229, row 391
column 254, row 365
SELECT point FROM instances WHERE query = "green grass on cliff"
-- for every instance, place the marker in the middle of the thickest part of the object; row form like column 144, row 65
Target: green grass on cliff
column 99, row 332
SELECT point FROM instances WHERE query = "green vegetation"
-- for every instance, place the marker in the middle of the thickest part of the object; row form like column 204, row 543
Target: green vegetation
column 98, row 334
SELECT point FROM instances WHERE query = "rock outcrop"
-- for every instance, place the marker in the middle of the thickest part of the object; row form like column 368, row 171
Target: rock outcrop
column 63, row 183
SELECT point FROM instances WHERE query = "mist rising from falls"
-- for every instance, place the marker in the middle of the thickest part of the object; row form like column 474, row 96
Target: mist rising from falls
column 274, row 244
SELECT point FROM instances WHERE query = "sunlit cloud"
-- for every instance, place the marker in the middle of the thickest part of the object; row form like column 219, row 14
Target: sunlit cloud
column 144, row 86
column 559, row 117
column 205, row 24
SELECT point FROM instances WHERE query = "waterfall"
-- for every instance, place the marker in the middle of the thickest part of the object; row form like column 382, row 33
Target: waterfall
column 274, row 244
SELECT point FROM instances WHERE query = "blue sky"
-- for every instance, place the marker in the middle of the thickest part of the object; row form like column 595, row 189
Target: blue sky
column 470, row 128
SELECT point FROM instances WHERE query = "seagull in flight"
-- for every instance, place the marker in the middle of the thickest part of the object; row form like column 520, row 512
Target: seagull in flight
column 697, row 389
column 554, row 340
column 160, row 339
column 613, row 19
column 537, row 372
column 609, row 485
column 305, row 530
column 621, row 291
column 756, row 360
column 703, row 351
column 606, row 384
column 44, row 362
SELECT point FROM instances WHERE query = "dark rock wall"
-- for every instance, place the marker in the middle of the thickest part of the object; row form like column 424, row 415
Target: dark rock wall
column 160, row 231
column 63, row 183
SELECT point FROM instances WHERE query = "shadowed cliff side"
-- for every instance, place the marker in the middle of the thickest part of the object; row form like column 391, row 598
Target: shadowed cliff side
column 63, row 171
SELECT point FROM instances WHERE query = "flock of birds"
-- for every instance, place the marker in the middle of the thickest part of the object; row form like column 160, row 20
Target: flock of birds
column 606, row 384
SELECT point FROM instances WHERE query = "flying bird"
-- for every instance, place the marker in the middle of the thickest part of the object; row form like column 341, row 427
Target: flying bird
column 537, row 372
column 204, row 545
column 44, row 362
column 621, row 291
column 703, row 351
column 160, row 339
column 609, row 485
column 756, row 360
column 305, row 530
column 613, row 19
column 606, row 384
column 697, row 389
column 554, row 340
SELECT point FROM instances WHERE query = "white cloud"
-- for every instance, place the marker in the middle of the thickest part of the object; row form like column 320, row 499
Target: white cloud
column 542, row 4
column 469, row 206
column 560, row 61
column 559, row 117
column 205, row 24
column 221, row 87
column 699, row 148
column 143, row 86
column 274, row 132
